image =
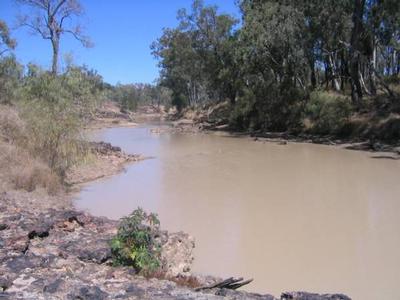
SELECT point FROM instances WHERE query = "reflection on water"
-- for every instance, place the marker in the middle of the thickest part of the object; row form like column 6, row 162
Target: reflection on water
column 293, row 217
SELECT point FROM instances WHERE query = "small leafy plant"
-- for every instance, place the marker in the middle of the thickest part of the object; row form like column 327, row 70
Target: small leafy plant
column 136, row 242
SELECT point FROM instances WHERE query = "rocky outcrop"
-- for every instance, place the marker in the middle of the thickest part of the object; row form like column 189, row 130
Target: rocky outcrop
column 65, row 254
column 109, row 160
column 110, row 114
column 59, row 253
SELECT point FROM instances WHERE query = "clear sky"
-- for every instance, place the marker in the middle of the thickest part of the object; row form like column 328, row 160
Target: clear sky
column 122, row 31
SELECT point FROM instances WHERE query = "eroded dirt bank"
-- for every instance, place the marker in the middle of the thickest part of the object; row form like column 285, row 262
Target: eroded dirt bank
column 48, row 250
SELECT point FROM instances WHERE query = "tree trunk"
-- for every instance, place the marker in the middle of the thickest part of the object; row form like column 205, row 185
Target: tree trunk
column 313, row 76
column 356, row 88
column 333, row 74
column 372, row 67
column 56, row 46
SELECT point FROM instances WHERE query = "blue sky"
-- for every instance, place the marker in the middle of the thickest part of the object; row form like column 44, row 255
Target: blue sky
column 122, row 31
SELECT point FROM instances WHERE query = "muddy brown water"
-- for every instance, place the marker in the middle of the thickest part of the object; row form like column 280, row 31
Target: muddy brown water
column 293, row 217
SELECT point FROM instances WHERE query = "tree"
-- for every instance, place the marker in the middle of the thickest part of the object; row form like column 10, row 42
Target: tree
column 355, row 51
column 196, row 58
column 50, row 19
column 6, row 42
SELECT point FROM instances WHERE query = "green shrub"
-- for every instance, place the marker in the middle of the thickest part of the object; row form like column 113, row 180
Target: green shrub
column 179, row 101
column 53, row 122
column 240, row 117
column 10, row 74
column 55, row 109
column 271, row 108
column 135, row 243
column 327, row 112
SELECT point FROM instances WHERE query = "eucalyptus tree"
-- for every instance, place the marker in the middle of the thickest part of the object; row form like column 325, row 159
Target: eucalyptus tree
column 51, row 19
column 196, row 56
column 6, row 41
column 275, row 61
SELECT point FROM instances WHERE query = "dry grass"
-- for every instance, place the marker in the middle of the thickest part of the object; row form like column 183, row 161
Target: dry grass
column 24, row 172
column 11, row 126
column 17, row 166
column 34, row 175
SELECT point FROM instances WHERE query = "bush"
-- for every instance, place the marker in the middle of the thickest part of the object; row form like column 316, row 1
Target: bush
column 179, row 101
column 240, row 117
column 55, row 110
column 327, row 112
column 10, row 75
column 268, row 107
column 136, row 242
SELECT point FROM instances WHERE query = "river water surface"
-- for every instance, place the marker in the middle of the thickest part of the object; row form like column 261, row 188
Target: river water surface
column 293, row 217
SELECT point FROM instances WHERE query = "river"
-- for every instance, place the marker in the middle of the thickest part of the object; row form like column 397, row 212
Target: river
column 293, row 217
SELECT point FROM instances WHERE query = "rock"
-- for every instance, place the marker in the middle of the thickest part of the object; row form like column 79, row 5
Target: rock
column 5, row 283
column 98, row 255
column 53, row 286
column 237, row 295
column 177, row 254
column 104, row 148
column 22, row 262
column 311, row 296
column 133, row 290
column 88, row 293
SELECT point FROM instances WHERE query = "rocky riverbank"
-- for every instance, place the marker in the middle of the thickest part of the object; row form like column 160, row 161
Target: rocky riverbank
column 48, row 250
column 59, row 253
column 109, row 114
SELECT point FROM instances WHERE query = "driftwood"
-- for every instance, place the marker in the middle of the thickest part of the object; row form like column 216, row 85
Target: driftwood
column 230, row 283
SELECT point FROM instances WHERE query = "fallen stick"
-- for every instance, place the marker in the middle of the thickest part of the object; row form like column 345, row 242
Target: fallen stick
column 230, row 283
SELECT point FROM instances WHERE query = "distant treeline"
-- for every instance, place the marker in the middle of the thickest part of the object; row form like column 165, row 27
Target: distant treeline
column 276, row 65
column 130, row 96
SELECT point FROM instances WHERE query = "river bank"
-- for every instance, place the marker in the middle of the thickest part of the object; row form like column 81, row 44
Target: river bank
column 49, row 250
column 362, row 133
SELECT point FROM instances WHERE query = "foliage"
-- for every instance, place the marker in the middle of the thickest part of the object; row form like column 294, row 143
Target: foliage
column 196, row 57
column 328, row 112
column 55, row 109
column 10, row 75
column 135, row 243
column 130, row 96
column 6, row 41
column 281, row 53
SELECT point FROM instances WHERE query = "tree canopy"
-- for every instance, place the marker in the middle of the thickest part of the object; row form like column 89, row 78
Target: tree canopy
column 280, row 52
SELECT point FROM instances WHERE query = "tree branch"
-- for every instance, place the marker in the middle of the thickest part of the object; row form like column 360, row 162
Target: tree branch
column 36, row 29
column 84, row 40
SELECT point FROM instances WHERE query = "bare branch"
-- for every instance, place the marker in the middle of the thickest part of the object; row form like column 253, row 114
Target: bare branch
column 43, row 4
column 84, row 40
column 54, row 12
column 35, row 26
